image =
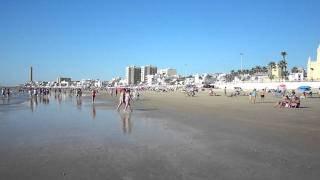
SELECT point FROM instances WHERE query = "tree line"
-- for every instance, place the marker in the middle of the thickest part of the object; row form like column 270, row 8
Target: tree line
column 282, row 65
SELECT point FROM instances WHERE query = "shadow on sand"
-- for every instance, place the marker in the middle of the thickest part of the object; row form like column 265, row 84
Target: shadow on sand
column 146, row 109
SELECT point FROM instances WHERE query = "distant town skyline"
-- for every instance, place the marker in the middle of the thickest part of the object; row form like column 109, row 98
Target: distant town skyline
column 98, row 39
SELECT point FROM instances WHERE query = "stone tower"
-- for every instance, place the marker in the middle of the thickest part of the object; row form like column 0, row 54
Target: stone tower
column 31, row 74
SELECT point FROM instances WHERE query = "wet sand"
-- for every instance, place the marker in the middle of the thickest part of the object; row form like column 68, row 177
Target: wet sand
column 168, row 136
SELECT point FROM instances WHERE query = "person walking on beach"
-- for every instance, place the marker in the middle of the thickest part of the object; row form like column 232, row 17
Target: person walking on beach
column 3, row 92
column 262, row 95
column 35, row 92
column 121, row 99
column 225, row 90
column 94, row 92
column 253, row 96
column 8, row 92
column 127, row 99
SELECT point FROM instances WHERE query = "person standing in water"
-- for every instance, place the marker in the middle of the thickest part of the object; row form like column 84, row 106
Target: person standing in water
column 8, row 92
column 3, row 92
column 94, row 93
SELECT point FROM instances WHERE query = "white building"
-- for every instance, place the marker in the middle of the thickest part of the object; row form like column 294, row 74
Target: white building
column 260, row 78
column 152, row 79
column 296, row 76
column 204, row 79
column 168, row 72
column 65, row 79
column 189, row 80
column 97, row 83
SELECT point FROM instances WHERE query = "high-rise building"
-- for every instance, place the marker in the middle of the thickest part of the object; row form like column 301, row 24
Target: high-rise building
column 168, row 72
column 31, row 74
column 133, row 75
column 147, row 70
column 65, row 79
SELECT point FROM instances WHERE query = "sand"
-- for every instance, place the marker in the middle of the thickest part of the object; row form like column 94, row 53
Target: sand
column 168, row 136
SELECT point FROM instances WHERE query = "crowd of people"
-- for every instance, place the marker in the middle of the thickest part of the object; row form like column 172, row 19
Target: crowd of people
column 5, row 92
column 129, row 94
column 289, row 101
column 125, row 99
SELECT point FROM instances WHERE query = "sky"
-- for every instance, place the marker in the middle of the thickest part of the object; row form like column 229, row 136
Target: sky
column 98, row 39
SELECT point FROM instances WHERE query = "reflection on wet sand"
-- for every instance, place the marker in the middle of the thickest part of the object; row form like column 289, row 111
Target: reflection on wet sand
column 126, row 122
column 59, row 98
column 5, row 100
column 44, row 99
column 79, row 103
column 34, row 100
column 93, row 112
column 33, row 103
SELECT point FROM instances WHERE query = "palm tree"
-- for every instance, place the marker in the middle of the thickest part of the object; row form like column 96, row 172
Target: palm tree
column 258, row 69
column 294, row 70
column 271, row 66
column 264, row 69
column 284, row 54
column 284, row 64
column 252, row 71
column 271, row 77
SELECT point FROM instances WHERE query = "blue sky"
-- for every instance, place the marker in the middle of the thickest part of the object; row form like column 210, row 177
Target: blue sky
column 97, row 39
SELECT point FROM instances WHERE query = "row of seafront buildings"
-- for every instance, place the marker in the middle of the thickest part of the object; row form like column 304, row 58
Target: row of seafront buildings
column 152, row 76
column 312, row 73
column 276, row 73
column 66, row 82
column 148, row 75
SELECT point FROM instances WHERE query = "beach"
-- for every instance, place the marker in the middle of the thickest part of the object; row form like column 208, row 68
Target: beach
column 167, row 136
